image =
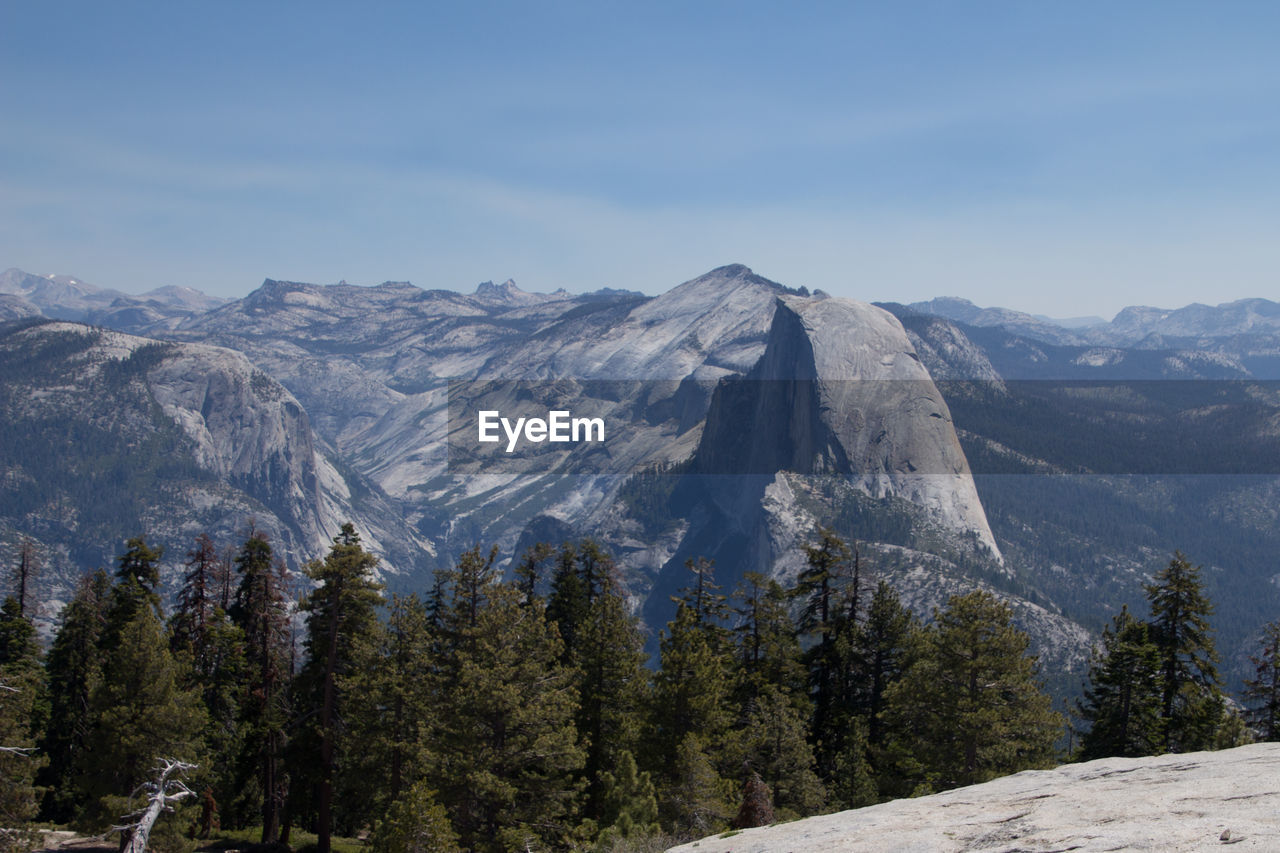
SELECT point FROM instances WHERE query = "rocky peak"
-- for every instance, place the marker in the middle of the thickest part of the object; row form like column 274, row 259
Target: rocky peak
column 188, row 298
column 507, row 291
column 951, row 307
column 734, row 276
column 840, row 391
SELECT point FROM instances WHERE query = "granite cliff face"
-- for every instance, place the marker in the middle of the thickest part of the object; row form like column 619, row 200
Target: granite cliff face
column 838, row 423
column 840, row 391
column 108, row 435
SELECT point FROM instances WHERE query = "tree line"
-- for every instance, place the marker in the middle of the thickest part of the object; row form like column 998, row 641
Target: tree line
column 494, row 714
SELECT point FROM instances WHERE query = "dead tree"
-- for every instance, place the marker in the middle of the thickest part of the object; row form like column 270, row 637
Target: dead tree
column 166, row 790
column 24, row 574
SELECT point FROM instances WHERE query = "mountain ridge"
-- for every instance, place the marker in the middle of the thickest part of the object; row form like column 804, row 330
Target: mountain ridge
column 373, row 368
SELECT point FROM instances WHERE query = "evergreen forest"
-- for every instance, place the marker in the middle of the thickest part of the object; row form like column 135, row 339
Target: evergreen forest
column 503, row 711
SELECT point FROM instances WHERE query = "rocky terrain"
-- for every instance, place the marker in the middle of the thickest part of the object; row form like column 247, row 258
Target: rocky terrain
column 63, row 297
column 1193, row 802
column 1244, row 334
column 745, row 413
column 106, row 433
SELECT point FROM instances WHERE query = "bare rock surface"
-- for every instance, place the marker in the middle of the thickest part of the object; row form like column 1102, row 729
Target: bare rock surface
column 1192, row 802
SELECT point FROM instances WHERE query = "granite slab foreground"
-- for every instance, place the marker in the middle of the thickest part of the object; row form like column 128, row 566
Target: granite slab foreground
column 1191, row 802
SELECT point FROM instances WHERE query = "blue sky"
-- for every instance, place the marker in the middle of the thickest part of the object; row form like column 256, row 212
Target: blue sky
column 1066, row 158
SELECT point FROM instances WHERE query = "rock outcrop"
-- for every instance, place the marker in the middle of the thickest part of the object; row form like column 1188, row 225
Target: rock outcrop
column 169, row 440
column 840, row 391
column 1193, row 802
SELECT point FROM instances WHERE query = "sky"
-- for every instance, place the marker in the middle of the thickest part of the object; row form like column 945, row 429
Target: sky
column 1059, row 158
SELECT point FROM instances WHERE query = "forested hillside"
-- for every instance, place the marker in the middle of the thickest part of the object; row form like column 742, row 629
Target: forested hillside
column 497, row 715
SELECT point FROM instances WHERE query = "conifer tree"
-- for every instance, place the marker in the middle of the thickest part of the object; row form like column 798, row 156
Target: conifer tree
column 260, row 618
column 569, row 599
column 196, row 602
column 829, row 619
column 137, row 586
column 19, row 763
column 877, row 762
column 214, row 650
column 693, row 710
column 342, row 624
column 140, row 711
column 629, row 802
column 1122, row 702
column 73, row 670
column 605, row 648
column 771, row 744
column 414, row 823
column 884, row 648
column 528, row 572
column 971, row 707
column 19, row 646
column 391, row 703
column 694, row 682
column 768, row 650
column 25, row 572
column 698, row 801
column 21, row 666
column 772, row 737
column 1262, row 691
column 856, row 782
column 506, row 755
column 1191, row 692
column 613, row 684
column 23, row 713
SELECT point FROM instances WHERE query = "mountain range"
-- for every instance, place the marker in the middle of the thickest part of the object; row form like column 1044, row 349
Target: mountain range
column 1056, row 464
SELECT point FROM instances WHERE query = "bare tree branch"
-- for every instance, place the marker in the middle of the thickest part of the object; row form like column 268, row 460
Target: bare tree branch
column 167, row 789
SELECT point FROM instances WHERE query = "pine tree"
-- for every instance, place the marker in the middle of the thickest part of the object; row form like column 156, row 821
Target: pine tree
column 884, row 648
column 342, row 624
column 570, row 598
column 1122, row 703
column 140, row 712
column 1262, row 691
column 391, row 704
column 830, row 619
column 605, row 647
column 768, row 650
column 629, row 802
column 528, row 572
column 856, row 782
column 137, row 586
column 971, row 707
column 694, row 682
column 260, row 613
column 414, row 823
column 19, row 645
column 23, row 714
column 771, row 743
column 698, row 801
column 203, row 635
column 196, row 602
column 73, row 670
column 506, row 755
column 1191, row 692
column 25, row 572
